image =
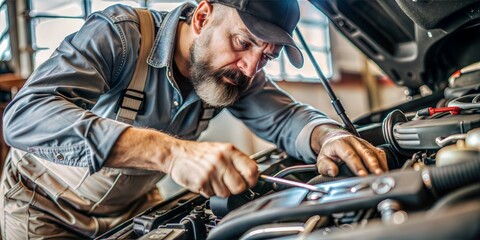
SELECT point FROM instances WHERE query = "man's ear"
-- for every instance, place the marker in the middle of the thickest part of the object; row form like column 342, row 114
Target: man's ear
column 201, row 16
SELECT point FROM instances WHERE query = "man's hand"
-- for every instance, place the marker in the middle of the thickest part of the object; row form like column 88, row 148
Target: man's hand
column 202, row 167
column 335, row 146
column 212, row 168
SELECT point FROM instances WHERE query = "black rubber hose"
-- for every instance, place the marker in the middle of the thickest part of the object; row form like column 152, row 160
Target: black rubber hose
column 455, row 197
column 388, row 124
column 445, row 179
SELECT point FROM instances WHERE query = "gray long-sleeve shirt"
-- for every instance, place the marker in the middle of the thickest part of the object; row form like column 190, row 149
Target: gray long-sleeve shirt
column 65, row 111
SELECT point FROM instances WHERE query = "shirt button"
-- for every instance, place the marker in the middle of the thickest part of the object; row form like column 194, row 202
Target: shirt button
column 60, row 157
column 175, row 103
column 169, row 73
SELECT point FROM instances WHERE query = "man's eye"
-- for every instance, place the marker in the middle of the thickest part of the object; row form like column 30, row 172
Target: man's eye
column 243, row 44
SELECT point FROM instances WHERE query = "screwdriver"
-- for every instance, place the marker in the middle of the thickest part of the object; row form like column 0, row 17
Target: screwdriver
column 291, row 183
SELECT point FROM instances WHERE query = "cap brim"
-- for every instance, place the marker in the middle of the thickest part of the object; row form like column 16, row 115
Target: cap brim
column 271, row 33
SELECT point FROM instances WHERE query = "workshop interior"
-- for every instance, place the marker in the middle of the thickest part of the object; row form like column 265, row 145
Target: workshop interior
column 402, row 74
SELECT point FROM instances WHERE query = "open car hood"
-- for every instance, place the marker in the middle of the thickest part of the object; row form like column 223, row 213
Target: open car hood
column 419, row 42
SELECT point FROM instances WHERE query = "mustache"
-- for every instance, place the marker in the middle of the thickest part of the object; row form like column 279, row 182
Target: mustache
column 237, row 76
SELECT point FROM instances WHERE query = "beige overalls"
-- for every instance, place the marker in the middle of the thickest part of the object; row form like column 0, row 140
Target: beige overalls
column 41, row 200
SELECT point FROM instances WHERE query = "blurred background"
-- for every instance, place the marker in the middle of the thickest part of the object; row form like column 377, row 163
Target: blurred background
column 30, row 30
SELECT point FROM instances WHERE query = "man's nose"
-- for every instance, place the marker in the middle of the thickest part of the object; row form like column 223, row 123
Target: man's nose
column 249, row 64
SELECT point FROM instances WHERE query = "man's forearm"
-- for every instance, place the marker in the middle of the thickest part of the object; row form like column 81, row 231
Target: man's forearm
column 205, row 167
column 142, row 149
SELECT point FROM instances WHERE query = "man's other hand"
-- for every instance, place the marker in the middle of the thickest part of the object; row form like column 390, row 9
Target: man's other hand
column 212, row 168
column 336, row 146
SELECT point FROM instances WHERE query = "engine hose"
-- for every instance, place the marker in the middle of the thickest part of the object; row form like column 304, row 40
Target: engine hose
column 388, row 124
column 455, row 197
column 445, row 179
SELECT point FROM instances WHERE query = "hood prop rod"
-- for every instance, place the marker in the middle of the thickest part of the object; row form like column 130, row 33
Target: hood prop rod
column 337, row 105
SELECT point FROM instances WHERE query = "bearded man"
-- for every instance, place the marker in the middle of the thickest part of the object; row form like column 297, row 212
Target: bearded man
column 74, row 171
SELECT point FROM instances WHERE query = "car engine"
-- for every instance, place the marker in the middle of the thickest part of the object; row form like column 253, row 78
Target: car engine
column 432, row 190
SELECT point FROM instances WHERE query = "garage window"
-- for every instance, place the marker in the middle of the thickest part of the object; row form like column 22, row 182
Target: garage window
column 5, row 49
column 314, row 28
column 67, row 16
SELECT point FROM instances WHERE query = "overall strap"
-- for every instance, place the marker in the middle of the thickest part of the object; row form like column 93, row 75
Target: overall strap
column 133, row 98
column 207, row 115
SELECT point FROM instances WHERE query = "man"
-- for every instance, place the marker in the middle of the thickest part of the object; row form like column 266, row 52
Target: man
column 75, row 172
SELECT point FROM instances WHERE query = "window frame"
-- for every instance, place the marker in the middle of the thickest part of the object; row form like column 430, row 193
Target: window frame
column 6, row 35
column 321, row 24
column 284, row 70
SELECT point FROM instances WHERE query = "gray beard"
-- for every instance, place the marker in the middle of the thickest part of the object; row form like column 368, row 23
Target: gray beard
column 208, row 83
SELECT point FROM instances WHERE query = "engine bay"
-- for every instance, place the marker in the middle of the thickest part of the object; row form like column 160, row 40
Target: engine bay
column 432, row 190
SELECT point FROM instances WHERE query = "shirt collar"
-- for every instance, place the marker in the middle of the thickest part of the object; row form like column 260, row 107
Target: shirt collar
column 164, row 44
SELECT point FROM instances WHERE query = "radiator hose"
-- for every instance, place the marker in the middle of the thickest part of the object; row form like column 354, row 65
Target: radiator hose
column 447, row 178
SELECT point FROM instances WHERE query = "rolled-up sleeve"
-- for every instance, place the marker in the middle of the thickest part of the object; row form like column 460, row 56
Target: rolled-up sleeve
column 50, row 117
column 275, row 116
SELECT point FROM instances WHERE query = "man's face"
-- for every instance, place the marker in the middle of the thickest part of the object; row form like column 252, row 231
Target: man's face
column 225, row 58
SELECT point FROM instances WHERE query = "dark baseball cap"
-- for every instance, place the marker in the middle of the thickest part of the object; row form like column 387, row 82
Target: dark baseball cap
column 272, row 21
